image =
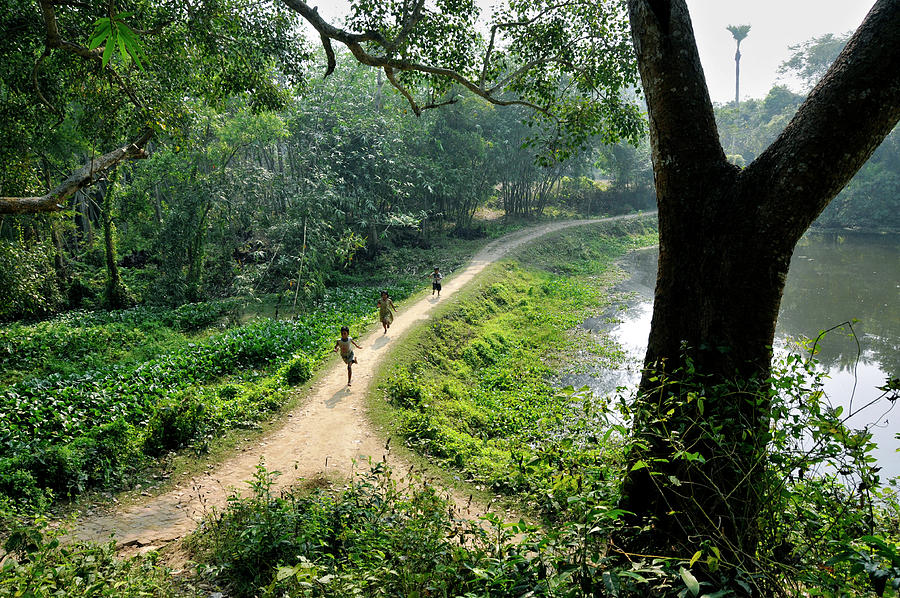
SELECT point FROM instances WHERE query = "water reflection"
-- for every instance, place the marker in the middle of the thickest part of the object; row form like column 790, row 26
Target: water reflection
column 833, row 279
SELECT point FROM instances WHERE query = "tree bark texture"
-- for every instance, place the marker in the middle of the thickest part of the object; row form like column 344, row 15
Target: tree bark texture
column 726, row 240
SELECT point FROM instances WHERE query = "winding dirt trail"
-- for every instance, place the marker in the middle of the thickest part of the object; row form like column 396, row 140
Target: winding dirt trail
column 320, row 439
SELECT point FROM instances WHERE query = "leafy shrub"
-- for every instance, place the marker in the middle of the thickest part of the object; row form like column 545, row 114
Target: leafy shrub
column 370, row 539
column 27, row 281
column 38, row 565
column 298, row 370
column 20, row 486
column 405, row 391
column 174, row 424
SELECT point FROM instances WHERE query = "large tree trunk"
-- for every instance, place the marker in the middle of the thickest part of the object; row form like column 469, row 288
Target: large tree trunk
column 726, row 239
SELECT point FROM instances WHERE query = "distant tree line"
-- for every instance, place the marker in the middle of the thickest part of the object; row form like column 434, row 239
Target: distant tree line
column 872, row 199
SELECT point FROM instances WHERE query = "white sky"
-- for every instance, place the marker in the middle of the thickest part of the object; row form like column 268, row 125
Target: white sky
column 775, row 25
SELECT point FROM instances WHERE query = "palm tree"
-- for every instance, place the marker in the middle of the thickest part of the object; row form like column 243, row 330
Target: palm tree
column 739, row 32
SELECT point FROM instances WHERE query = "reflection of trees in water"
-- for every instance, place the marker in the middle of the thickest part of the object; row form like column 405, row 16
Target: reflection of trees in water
column 836, row 278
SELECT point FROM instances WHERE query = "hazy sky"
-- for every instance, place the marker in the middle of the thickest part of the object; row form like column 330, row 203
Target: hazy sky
column 775, row 25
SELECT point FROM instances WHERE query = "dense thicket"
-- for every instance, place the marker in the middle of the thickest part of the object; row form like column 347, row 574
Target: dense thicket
column 234, row 199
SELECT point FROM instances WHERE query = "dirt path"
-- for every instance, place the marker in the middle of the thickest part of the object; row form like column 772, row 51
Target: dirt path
column 319, row 439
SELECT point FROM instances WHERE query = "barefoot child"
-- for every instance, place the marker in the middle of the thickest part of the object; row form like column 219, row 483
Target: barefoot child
column 343, row 345
column 385, row 306
column 436, row 277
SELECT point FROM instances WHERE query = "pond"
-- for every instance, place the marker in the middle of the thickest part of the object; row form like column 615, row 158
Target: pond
column 834, row 278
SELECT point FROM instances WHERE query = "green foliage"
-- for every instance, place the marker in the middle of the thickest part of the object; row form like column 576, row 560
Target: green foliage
column 824, row 517
column 60, row 434
column 298, row 370
column 28, row 282
column 811, row 59
column 375, row 538
column 38, row 565
column 476, row 390
column 114, row 33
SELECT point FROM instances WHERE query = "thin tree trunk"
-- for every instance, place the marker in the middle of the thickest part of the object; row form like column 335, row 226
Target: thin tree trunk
column 116, row 294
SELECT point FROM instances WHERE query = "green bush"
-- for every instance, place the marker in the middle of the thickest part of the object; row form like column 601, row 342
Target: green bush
column 405, row 391
column 38, row 565
column 28, row 281
column 174, row 424
column 298, row 370
column 20, row 486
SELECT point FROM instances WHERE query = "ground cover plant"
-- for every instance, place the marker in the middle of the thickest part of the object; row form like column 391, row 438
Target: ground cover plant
column 36, row 564
column 90, row 399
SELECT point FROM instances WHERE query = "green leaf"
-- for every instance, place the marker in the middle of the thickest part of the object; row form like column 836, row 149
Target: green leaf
column 694, row 558
column 131, row 44
column 123, row 53
column 690, row 581
column 639, row 465
column 101, row 32
column 107, row 52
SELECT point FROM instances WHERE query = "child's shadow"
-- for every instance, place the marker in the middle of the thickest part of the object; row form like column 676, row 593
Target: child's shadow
column 381, row 341
column 337, row 397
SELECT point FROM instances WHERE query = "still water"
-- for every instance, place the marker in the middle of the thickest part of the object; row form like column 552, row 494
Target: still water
column 834, row 278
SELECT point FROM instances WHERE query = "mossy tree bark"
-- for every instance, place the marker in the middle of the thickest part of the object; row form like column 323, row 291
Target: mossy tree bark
column 117, row 295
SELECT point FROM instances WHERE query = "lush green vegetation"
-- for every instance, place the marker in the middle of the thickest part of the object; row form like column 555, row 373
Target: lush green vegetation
column 38, row 565
column 483, row 404
column 263, row 191
column 475, row 388
column 92, row 398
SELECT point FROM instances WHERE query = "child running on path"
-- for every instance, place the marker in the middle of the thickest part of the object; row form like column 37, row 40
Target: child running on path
column 436, row 277
column 343, row 345
column 385, row 306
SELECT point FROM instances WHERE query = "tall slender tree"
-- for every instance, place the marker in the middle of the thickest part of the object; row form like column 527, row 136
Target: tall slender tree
column 739, row 32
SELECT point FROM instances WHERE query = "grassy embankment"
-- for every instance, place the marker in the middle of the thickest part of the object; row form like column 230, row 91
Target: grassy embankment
column 474, row 392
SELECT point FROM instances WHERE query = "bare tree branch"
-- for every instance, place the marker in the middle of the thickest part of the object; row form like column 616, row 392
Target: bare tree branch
column 84, row 176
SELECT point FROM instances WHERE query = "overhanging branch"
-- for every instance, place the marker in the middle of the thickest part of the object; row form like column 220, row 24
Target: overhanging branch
column 84, row 176
column 354, row 41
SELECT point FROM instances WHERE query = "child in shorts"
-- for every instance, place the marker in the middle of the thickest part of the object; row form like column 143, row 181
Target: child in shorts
column 346, row 350
column 436, row 277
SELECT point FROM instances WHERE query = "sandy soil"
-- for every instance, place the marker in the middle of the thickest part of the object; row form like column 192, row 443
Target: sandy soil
column 319, row 440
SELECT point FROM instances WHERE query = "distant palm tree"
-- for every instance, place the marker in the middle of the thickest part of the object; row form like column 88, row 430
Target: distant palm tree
column 739, row 32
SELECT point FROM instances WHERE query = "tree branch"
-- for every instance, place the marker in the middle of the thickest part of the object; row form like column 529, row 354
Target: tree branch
column 675, row 87
column 354, row 42
column 843, row 120
column 54, row 40
column 86, row 175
